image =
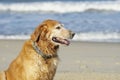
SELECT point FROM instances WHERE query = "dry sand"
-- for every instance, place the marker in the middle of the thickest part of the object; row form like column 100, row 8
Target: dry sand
column 79, row 61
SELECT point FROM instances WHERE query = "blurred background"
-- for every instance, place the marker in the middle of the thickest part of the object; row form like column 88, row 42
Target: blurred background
column 92, row 20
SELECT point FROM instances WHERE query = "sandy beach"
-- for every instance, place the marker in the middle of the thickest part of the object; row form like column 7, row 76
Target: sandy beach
column 79, row 61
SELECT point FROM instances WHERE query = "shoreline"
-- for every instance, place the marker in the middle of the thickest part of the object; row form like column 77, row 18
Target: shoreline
column 80, row 41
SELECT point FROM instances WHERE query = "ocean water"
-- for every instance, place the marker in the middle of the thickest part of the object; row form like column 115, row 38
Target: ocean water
column 91, row 20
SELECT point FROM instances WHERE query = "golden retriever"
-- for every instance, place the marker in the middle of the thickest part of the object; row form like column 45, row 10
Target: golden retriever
column 38, row 58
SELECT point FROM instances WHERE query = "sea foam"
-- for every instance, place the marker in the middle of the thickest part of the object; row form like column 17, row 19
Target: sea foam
column 15, row 37
column 61, row 7
column 96, row 37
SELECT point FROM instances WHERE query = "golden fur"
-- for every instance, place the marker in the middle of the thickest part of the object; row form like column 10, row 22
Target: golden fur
column 29, row 65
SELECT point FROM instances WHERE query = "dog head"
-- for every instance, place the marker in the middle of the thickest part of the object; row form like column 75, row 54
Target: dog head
column 52, row 31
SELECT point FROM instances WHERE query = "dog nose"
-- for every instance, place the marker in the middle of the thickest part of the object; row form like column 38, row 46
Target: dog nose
column 73, row 34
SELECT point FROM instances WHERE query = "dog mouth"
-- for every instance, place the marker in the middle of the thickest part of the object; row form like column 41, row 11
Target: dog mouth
column 61, row 40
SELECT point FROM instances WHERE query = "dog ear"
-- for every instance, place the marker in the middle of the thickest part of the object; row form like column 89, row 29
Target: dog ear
column 36, row 34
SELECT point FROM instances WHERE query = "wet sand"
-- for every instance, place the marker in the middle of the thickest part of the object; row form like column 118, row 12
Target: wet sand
column 79, row 61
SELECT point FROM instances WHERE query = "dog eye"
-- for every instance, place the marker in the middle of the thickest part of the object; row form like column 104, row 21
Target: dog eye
column 58, row 27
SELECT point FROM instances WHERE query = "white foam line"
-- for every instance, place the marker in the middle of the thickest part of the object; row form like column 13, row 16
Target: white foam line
column 112, row 37
column 60, row 7
column 13, row 37
column 97, row 36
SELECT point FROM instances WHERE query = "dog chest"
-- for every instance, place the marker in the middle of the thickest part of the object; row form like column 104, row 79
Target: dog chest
column 42, row 70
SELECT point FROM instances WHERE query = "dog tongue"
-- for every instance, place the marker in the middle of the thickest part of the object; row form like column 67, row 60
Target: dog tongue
column 62, row 41
column 66, row 42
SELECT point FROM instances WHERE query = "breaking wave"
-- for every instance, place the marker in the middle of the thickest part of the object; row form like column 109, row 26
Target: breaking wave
column 98, row 37
column 94, row 37
column 61, row 7
column 15, row 37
